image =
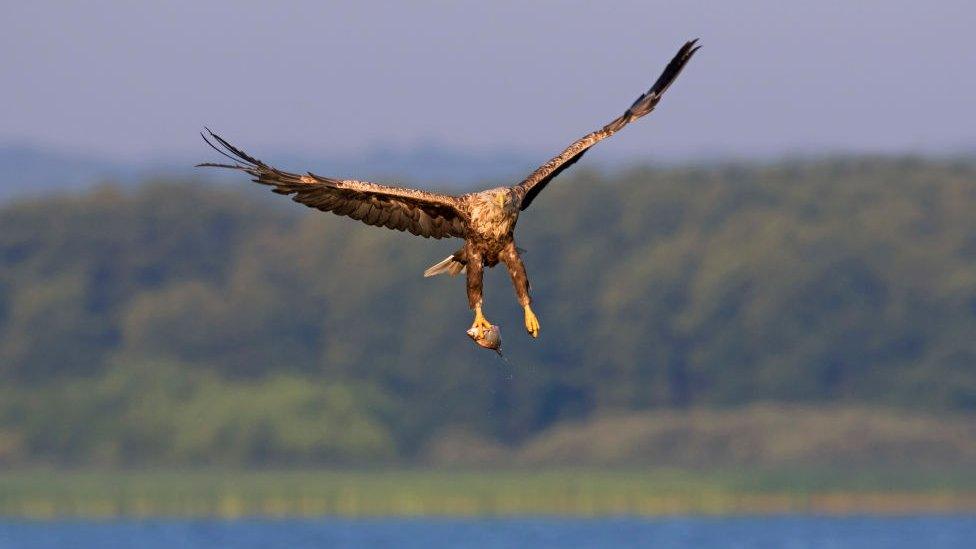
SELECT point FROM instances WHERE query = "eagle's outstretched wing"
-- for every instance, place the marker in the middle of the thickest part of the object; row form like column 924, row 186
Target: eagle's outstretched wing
column 538, row 180
column 422, row 213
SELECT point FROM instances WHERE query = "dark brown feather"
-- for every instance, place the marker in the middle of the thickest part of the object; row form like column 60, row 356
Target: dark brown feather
column 420, row 212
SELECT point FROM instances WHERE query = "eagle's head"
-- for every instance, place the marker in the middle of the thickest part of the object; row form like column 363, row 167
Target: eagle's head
column 501, row 197
column 495, row 211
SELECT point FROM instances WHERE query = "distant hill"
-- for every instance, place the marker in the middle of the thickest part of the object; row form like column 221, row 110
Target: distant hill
column 33, row 170
column 29, row 170
column 757, row 436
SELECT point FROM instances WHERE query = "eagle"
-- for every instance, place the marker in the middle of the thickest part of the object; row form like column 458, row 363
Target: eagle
column 484, row 220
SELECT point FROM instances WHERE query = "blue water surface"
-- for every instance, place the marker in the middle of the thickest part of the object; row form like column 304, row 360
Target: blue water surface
column 698, row 532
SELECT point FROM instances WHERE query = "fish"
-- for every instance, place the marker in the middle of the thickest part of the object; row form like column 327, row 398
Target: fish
column 490, row 338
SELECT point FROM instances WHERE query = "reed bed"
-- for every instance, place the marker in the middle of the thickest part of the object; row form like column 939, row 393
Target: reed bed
column 234, row 494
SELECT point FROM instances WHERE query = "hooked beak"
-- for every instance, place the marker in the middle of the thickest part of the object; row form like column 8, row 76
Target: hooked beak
column 501, row 201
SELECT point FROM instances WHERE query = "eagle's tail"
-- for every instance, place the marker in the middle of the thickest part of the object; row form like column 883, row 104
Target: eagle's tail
column 452, row 265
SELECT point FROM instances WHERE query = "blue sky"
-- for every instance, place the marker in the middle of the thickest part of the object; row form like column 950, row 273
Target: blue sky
column 132, row 80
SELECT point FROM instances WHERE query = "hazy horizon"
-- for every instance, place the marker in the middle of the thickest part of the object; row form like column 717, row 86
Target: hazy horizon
column 132, row 82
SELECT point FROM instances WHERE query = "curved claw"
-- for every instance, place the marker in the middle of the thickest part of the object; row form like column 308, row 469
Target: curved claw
column 480, row 323
column 531, row 322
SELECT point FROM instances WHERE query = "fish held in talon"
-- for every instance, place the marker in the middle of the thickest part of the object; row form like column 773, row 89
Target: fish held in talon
column 484, row 220
column 489, row 338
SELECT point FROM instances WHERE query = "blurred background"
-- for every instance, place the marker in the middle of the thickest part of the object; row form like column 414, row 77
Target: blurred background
column 760, row 298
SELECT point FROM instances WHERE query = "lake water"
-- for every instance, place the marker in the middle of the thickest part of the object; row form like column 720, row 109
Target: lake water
column 772, row 532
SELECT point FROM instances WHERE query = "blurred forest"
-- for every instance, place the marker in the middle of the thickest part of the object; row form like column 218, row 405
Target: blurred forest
column 194, row 323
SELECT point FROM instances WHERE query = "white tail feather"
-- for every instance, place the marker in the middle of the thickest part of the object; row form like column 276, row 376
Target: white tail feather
column 449, row 265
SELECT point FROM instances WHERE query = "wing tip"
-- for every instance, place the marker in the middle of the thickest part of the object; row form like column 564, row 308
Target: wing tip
column 222, row 146
column 674, row 67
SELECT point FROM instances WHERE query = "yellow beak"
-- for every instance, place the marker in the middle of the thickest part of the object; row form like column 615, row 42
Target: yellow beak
column 501, row 201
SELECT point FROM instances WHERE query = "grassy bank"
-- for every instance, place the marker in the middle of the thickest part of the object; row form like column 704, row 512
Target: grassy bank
column 580, row 492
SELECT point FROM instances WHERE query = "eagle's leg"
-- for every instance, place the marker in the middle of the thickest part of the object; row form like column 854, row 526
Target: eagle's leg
column 475, row 281
column 520, row 280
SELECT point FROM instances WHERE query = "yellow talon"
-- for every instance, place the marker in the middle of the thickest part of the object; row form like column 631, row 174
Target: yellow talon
column 480, row 321
column 531, row 322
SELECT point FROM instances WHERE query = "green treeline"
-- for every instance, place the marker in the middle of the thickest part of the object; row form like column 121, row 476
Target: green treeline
column 187, row 323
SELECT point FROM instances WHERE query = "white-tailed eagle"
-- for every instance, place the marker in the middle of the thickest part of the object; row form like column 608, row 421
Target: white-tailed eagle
column 484, row 220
